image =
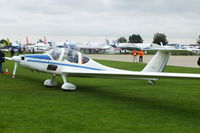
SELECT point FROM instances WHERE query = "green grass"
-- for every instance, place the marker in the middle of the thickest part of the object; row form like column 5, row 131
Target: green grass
column 99, row 105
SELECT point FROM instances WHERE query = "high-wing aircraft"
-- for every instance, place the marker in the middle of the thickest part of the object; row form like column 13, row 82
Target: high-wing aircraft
column 67, row 62
column 133, row 46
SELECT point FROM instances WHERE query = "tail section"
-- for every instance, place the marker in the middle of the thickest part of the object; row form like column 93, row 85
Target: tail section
column 45, row 40
column 160, row 59
column 27, row 41
column 107, row 42
column 158, row 62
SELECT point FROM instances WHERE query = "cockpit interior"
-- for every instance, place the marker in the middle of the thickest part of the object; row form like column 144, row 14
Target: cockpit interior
column 68, row 55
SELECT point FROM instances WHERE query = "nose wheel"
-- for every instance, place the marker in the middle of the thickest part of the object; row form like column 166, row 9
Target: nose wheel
column 50, row 82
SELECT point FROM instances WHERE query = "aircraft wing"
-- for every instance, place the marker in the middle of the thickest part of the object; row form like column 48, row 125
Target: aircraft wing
column 172, row 51
column 129, row 74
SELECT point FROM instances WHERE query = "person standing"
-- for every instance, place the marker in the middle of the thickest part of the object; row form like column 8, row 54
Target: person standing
column 2, row 55
column 198, row 62
column 135, row 55
column 141, row 54
column 12, row 52
column 33, row 51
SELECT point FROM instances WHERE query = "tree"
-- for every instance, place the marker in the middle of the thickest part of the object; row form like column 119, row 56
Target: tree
column 135, row 39
column 198, row 40
column 122, row 40
column 160, row 38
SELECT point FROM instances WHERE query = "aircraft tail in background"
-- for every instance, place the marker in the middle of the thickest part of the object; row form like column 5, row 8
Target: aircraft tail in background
column 45, row 40
column 27, row 41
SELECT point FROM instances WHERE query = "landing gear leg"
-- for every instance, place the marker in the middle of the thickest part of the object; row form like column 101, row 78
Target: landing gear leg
column 50, row 82
column 67, row 86
column 151, row 82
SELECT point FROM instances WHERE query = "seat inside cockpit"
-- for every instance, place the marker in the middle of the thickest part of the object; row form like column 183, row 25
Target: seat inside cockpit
column 74, row 56
column 71, row 56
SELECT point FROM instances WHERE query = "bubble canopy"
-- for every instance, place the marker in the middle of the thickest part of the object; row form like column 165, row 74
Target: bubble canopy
column 67, row 55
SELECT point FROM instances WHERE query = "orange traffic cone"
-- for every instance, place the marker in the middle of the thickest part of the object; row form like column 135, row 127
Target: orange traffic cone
column 6, row 73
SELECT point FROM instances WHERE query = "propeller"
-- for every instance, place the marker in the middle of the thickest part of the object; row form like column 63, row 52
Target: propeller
column 16, row 59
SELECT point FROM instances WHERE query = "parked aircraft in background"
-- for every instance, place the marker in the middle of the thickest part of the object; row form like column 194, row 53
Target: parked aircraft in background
column 65, row 44
column 38, row 47
column 27, row 41
column 97, row 47
column 133, row 46
column 71, row 63
column 2, row 45
column 93, row 47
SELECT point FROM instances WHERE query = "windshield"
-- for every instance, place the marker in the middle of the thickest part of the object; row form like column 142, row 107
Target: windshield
column 69, row 55
column 55, row 53
column 84, row 59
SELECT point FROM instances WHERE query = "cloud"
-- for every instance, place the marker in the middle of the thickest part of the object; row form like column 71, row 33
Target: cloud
column 105, row 18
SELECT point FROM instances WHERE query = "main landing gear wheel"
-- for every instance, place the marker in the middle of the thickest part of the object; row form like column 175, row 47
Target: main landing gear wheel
column 67, row 86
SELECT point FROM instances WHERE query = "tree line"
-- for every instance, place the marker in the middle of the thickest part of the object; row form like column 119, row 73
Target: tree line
column 159, row 38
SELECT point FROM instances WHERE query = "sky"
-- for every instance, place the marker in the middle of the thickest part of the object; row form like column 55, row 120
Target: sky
column 97, row 20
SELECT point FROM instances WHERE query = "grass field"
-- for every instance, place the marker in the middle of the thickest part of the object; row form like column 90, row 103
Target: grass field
column 99, row 105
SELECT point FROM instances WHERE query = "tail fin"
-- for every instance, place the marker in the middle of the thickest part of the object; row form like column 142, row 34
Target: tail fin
column 45, row 40
column 27, row 41
column 158, row 62
column 107, row 42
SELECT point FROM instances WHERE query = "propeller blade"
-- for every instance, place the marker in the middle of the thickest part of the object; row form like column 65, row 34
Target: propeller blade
column 15, row 69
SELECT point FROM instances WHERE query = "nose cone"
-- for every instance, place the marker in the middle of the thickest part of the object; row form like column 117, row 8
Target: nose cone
column 16, row 58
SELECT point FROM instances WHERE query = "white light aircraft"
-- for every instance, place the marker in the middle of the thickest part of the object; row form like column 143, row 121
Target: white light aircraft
column 67, row 62
column 95, row 45
column 133, row 46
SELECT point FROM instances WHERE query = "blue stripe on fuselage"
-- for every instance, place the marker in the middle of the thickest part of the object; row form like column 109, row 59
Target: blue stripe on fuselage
column 40, row 56
column 62, row 64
